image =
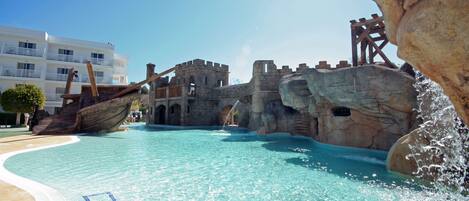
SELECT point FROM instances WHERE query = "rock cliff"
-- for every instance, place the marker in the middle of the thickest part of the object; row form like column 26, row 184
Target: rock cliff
column 433, row 36
column 368, row 106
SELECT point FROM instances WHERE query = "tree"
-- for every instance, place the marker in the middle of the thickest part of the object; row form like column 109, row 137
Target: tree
column 22, row 99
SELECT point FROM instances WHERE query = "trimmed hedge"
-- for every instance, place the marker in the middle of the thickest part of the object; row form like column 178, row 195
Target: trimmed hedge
column 10, row 119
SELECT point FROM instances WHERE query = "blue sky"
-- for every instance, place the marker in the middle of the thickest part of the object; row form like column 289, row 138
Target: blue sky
column 233, row 32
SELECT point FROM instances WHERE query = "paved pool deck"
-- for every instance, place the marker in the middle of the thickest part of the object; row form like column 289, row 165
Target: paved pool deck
column 19, row 139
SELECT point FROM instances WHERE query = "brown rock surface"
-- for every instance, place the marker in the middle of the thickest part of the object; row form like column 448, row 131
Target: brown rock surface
column 433, row 36
column 400, row 158
column 367, row 106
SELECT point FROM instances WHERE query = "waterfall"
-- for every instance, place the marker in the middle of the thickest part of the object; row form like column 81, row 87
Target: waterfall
column 446, row 153
column 229, row 114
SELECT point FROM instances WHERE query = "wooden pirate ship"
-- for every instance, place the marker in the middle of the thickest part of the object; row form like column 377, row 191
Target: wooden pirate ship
column 96, row 109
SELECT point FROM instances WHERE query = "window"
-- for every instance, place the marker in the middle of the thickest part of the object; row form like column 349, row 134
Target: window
column 219, row 83
column 188, row 109
column 62, row 71
column 98, row 73
column 25, row 66
column 65, row 52
column 27, row 45
column 97, row 55
column 341, row 111
column 206, row 80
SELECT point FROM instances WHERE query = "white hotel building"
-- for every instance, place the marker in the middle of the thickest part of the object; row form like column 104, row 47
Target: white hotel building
column 35, row 57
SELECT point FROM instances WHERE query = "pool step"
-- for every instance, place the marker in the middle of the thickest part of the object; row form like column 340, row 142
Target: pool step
column 100, row 197
column 302, row 124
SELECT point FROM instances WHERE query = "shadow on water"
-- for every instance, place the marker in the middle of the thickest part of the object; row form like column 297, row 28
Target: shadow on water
column 364, row 165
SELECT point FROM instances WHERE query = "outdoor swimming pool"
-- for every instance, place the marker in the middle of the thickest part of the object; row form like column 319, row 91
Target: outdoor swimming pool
column 150, row 164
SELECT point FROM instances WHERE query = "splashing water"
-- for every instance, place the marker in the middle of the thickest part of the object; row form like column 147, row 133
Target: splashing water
column 444, row 153
column 229, row 114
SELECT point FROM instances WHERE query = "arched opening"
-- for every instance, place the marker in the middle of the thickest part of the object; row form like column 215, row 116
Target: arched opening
column 160, row 115
column 341, row 111
column 192, row 86
column 227, row 116
column 175, row 114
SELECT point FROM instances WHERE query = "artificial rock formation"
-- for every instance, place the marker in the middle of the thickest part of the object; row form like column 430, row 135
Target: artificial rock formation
column 368, row 106
column 433, row 36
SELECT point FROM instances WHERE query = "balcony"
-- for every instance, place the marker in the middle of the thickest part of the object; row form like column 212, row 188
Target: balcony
column 99, row 80
column 15, row 50
column 64, row 57
column 53, row 97
column 78, row 59
column 172, row 92
column 14, row 72
column 98, row 61
column 59, row 77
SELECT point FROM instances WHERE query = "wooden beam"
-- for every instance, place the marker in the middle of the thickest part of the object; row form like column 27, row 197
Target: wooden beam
column 370, row 21
column 385, row 58
column 363, row 45
column 141, row 83
column 94, row 88
column 354, row 46
column 71, row 74
column 381, row 46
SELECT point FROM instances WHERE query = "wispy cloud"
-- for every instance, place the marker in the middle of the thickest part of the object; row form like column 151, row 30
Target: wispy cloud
column 241, row 68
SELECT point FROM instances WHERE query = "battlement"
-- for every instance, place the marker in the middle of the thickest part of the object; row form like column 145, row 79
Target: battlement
column 268, row 67
column 203, row 63
column 323, row 65
column 343, row 64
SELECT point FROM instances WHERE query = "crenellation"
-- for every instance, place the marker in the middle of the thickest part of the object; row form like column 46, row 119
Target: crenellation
column 216, row 65
column 302, row 67
column 323, row 65
column 224, row 67
column 209, row 64
column 198, row 62
column 343, row 64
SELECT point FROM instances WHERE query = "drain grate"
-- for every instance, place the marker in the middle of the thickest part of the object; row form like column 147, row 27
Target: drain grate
column 106, row 196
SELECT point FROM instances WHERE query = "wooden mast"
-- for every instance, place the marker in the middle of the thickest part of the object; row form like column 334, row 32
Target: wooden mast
column 138, row 85
column 71, row 75
column 94, row 88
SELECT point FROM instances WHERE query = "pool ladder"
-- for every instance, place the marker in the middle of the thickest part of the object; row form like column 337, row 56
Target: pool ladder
column 109, row 194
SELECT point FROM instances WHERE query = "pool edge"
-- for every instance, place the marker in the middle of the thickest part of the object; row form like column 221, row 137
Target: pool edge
column 39, row 192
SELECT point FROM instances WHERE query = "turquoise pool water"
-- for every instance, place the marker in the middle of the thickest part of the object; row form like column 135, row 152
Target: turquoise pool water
column 151, row 164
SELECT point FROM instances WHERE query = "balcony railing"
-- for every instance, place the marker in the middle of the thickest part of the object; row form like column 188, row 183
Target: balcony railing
column 11, row 49
column 99, row 80
column 14, row 72
column 59, row 77
column 53, row 97
column 64, row 57
column 168, row 92
column 78, row 59
column 160, row 92
column 104, row 62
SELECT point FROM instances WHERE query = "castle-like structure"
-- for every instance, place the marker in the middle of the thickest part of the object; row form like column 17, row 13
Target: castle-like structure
column 364, row 104
column 335, row 105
